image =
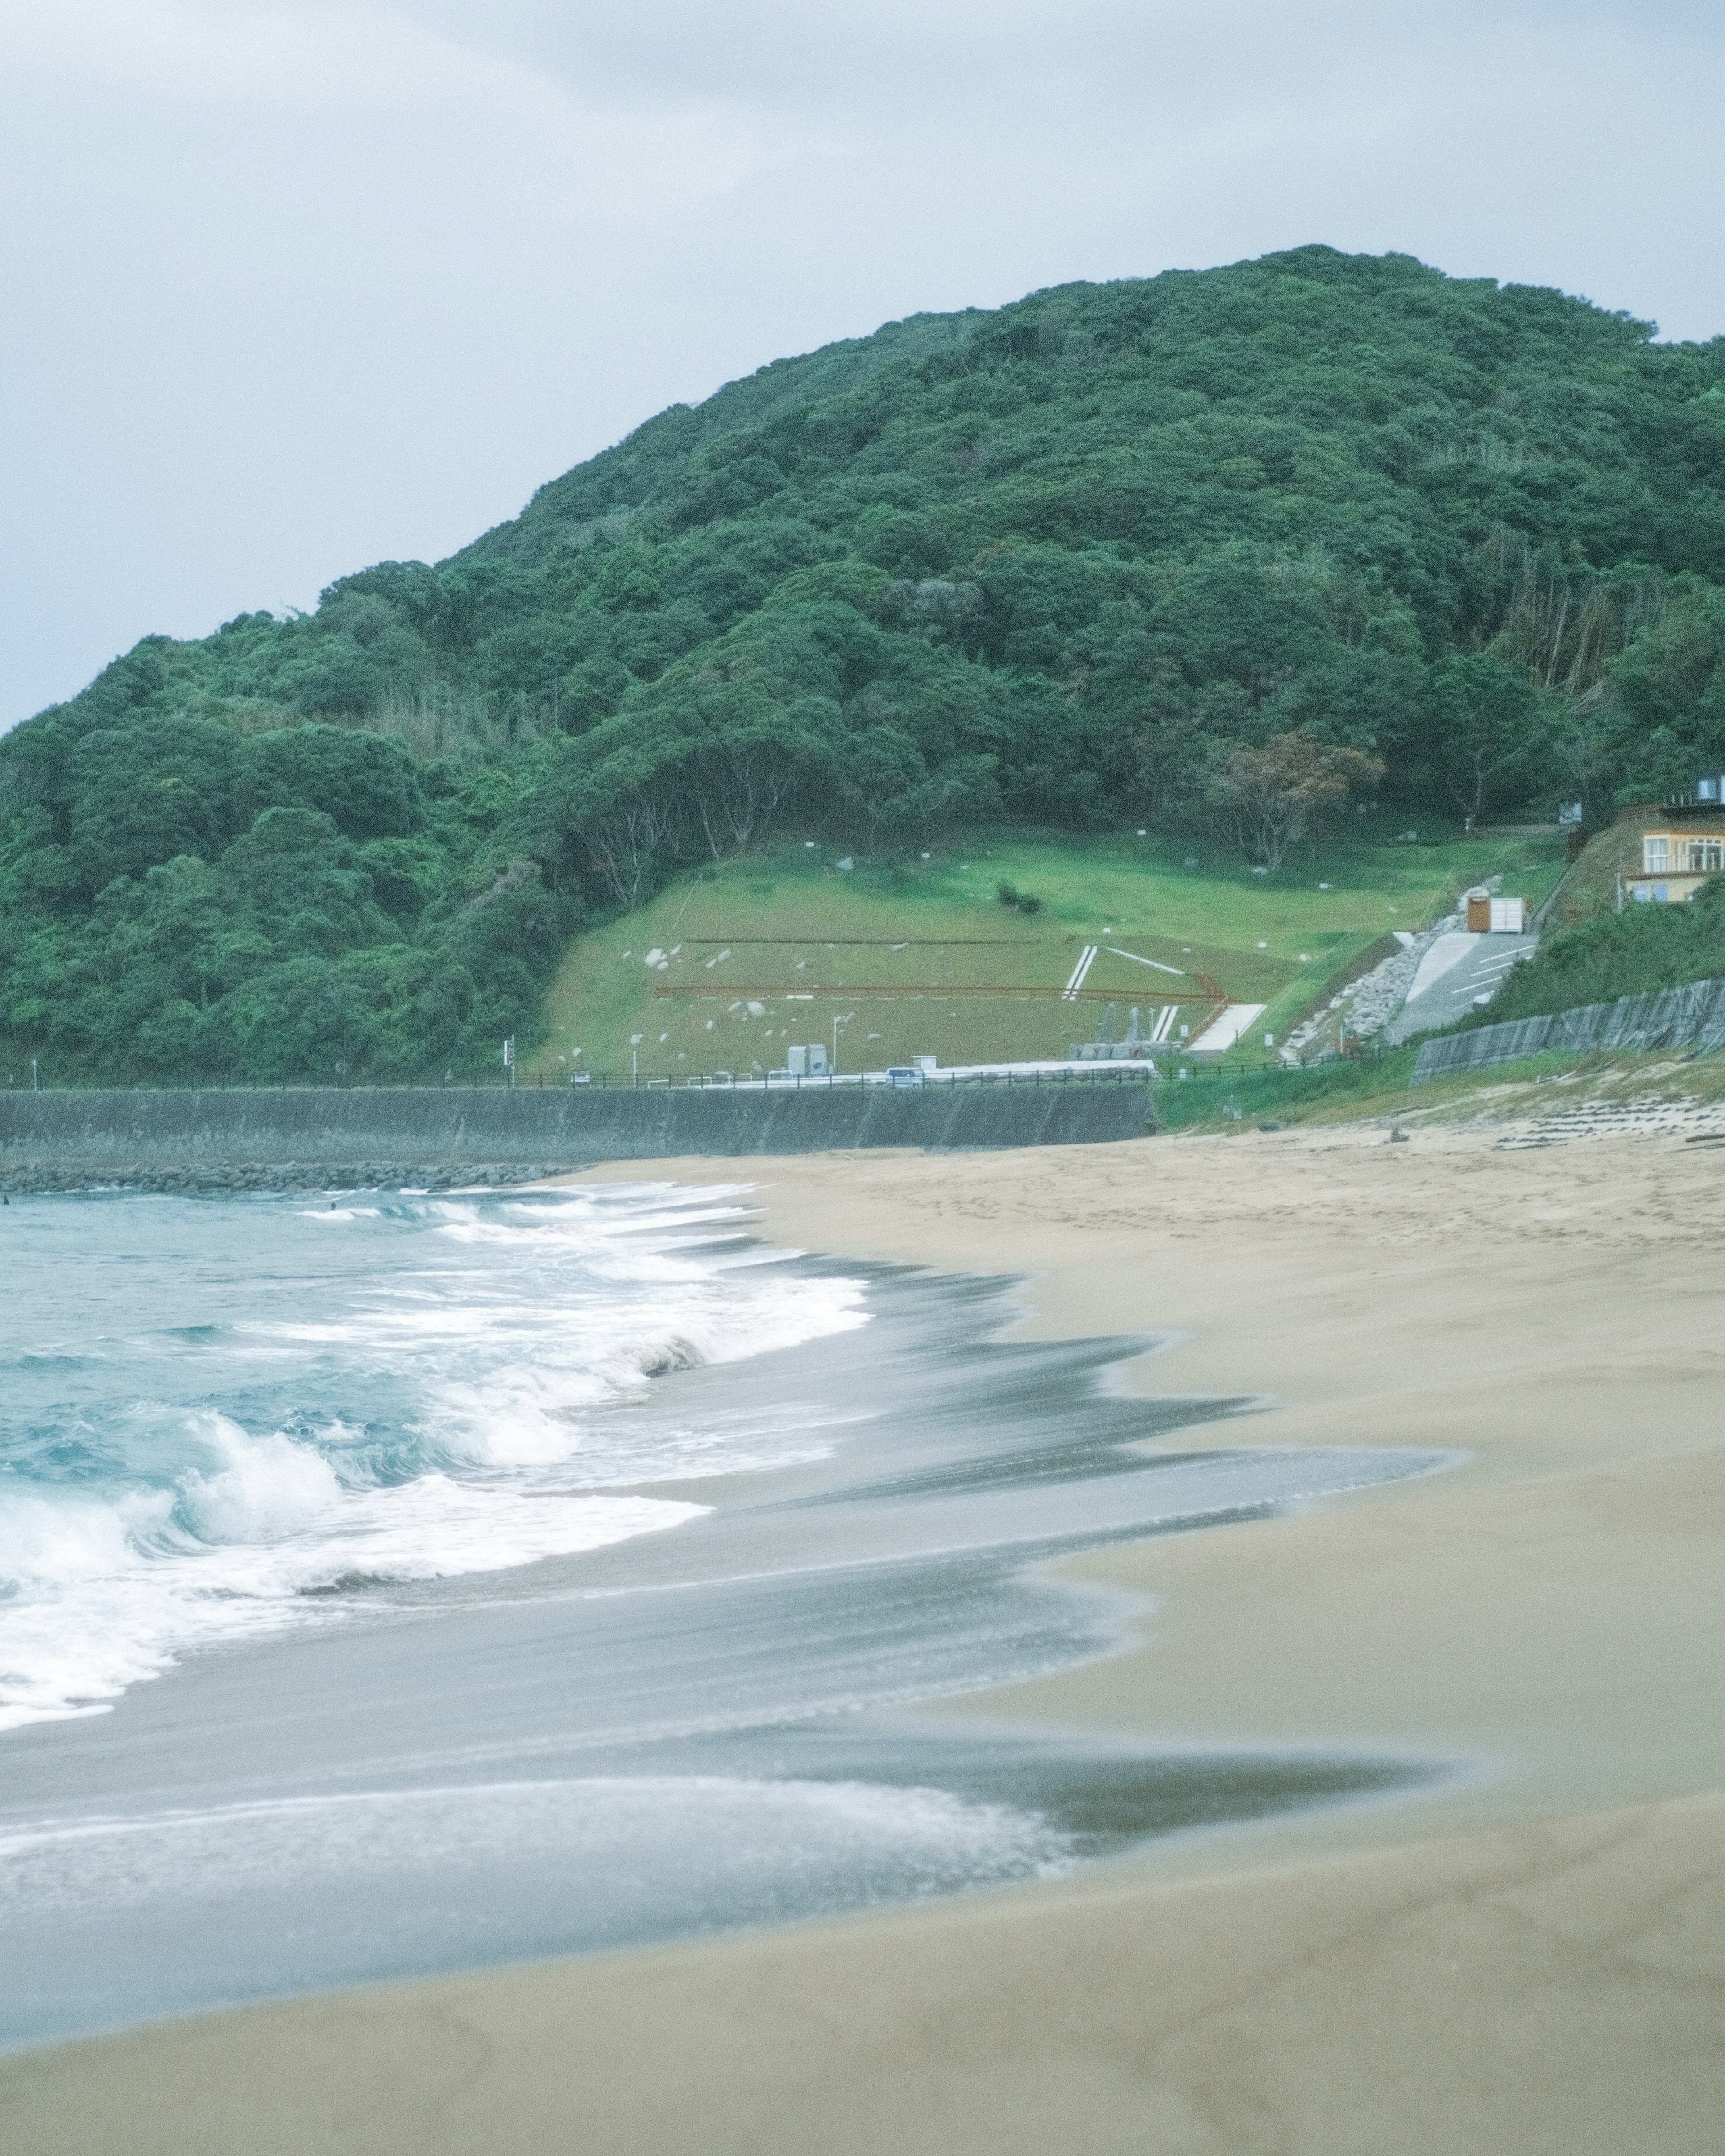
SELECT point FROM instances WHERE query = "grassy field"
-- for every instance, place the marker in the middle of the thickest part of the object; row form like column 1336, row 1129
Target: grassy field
column 922, row 957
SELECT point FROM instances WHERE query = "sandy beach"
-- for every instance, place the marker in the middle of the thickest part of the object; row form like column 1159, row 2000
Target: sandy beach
column 1528, row 1954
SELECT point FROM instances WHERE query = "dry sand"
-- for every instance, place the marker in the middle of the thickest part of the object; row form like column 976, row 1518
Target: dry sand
column 1530, row 1957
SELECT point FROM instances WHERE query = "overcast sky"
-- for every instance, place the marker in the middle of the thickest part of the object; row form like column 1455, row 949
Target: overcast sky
column 289, row 289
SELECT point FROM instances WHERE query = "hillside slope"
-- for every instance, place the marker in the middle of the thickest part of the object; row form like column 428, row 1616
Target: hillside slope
column 1087, row 559
column 728, row 968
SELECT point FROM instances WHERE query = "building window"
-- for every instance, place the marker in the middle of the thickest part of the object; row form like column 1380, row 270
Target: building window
column 1706, row 854
column 1655, row 856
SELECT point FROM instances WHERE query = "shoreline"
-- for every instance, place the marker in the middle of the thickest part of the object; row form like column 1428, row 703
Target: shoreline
column 1523, row 1956
column 1558, row 1399
column 638, row 1739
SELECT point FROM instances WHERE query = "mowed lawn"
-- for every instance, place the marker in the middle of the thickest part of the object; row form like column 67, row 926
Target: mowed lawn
column 922, row 957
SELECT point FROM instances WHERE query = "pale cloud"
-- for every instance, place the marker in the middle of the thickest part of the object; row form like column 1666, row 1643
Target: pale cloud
column 419, row 93
column 240, row 56
column 291, row 287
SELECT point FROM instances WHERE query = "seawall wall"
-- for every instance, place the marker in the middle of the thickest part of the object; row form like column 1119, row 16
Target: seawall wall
column 1690, row 1017
column 302, row 1137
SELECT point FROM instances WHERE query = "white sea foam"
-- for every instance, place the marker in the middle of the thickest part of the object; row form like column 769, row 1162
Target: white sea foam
column 122, row 1919
column 588, row 1838
column 493, row 1353
column 107, row 1594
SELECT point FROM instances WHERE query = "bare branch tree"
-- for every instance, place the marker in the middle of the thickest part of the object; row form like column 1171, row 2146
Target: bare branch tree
column 1274, row 795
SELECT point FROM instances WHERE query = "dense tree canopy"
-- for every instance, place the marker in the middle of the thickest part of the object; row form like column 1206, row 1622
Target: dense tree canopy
column 1086, row 559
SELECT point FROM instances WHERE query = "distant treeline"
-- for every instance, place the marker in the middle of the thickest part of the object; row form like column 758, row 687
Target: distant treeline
column 1241, row 548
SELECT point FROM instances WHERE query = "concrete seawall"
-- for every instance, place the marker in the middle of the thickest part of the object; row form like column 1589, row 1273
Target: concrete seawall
column 1691, row 1017
column 299, row 1137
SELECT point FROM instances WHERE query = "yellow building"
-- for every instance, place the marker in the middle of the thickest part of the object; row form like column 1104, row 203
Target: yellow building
column 1675, row 865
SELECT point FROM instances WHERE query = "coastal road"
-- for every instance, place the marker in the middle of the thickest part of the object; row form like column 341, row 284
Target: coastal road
column 1456, row 971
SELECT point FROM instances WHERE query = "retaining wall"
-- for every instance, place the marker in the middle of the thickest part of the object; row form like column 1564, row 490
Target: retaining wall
column 431, row 1134
column 1689, row 1017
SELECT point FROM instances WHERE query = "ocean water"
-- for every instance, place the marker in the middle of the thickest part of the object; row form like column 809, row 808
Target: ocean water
column 211, row 1410
column 394, row 1585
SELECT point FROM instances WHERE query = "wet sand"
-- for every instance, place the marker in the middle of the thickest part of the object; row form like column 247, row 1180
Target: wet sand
column 1529, row 1957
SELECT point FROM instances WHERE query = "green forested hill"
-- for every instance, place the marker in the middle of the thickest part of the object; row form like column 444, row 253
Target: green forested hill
column 1210, row 549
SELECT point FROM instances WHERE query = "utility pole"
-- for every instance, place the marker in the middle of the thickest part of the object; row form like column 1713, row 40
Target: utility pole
column 509, row 1060
column 35, row 1087
column 837, row 1023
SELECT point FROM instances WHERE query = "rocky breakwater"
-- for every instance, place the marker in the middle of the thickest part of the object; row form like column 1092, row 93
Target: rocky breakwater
column 1362, row 1009
column 36, row 1175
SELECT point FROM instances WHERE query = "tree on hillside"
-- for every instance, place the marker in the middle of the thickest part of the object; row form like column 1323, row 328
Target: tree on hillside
column 1666, row 693
column 1482, row 728
column 1275, row 796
